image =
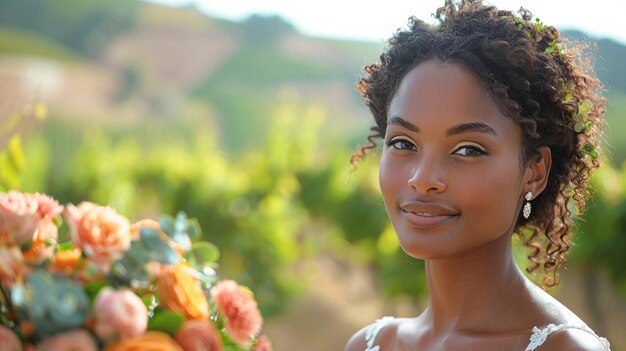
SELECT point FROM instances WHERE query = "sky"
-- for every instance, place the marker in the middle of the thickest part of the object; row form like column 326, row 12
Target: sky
column 351, row 19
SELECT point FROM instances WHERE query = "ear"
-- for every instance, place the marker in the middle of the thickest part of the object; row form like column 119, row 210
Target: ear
column 537, row 172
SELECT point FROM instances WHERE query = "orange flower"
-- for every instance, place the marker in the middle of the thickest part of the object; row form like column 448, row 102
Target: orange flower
column 99, row 231
column 179, row 291
column 66, row 261
column 150, row 341
column 38, row 251
column 199, row 335
column 236, row 303
column 44, row 241
column 263, row 344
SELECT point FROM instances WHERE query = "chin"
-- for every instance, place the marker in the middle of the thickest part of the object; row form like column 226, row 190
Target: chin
column 423, row 252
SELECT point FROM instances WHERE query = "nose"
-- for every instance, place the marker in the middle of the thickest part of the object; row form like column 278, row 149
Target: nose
column 428, row 176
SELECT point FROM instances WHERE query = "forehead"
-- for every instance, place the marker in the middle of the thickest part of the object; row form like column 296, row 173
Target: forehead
column 435, row 92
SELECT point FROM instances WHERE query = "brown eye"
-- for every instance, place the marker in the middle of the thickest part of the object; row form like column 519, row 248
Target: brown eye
column 401, row 144
column 470, row 151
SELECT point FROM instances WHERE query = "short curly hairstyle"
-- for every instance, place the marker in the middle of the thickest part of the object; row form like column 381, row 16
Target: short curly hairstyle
column 536, row 79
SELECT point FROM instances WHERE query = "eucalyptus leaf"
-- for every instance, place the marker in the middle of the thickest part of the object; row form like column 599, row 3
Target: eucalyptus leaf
column 159, row 249
column 194, row 230
column 167, row 225
column 57, row 303
column 181, row 222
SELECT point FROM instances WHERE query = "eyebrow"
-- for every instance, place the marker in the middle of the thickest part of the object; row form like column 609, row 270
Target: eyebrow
column 458, row 129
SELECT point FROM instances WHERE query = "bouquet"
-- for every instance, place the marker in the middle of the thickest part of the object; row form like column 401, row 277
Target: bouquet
column 84, row 278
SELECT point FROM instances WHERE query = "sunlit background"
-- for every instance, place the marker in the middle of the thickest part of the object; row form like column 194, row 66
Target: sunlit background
column 353, row 19
column 244, row 115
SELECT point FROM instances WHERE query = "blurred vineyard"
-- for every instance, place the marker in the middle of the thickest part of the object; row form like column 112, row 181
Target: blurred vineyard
column 257, row 149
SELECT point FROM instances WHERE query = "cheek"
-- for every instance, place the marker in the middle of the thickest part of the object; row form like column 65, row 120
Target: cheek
column 391, row 178
column 493, row 198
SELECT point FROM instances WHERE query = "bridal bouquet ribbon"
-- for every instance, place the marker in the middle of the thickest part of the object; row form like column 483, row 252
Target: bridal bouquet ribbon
column 83, row 277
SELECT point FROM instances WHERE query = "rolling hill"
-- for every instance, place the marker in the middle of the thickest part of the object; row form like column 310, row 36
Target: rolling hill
column 122, row 61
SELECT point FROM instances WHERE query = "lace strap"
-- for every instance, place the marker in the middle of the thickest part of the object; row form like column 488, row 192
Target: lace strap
column 539, row 336
column 372, row 332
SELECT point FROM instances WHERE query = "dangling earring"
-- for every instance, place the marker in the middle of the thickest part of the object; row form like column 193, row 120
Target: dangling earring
column 526, row 211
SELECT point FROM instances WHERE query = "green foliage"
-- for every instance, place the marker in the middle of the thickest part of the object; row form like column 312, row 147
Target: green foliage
column 256, row 67
column 12, row 163
column 22, row 42
column 616, row 127
column 85, row 26
column 600, row 242
column 12, row 157
column 166, row 321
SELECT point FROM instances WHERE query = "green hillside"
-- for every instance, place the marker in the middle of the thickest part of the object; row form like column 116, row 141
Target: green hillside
column 20, row 42
column 259, row 59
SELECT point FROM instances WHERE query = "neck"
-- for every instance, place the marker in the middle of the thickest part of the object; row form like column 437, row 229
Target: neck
column 469, row 292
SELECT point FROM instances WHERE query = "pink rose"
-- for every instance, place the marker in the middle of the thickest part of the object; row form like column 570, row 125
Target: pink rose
column 263, row 344
column 75, row 340
column 199, row 335
column 99, row 231
column 236, row 303
column 20, row 214
column 47, row 206
column 19, row 217
column 11, row 264
column 119, row 314
column 8, row 340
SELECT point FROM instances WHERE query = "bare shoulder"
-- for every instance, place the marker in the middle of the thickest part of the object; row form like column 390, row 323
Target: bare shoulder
column 385, row 337
column 574, row 339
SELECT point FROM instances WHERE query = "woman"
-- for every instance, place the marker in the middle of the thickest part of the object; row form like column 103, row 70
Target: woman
column 489, row 128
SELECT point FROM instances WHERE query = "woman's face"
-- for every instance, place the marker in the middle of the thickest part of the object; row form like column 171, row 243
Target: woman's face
column 450, row 168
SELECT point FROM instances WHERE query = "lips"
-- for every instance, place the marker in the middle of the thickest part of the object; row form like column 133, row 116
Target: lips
column 428, row 215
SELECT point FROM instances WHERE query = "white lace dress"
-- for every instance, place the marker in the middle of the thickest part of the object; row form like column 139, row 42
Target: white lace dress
column 537, row 338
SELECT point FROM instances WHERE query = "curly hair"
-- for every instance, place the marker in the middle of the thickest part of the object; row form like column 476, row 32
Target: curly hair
column 536, row 80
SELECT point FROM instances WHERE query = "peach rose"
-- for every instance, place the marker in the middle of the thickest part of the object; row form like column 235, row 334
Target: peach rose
column 150, row 341
column 179, row 291
column 8, row 340
column 20, row 214
column 11, row 264
column 118, row 314
column 236, row 303
column 263, row 344
column 199, row 335
column 19, row 217
column 100, row 232
column 47, row 207
column 46, row 236
column 74, row 340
